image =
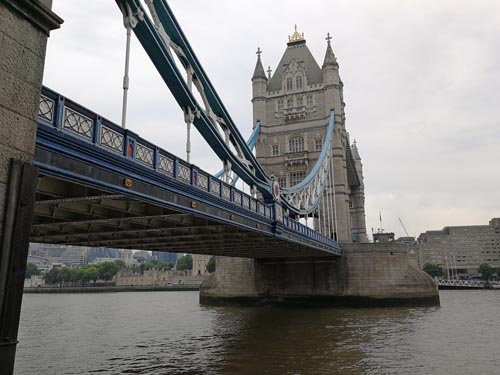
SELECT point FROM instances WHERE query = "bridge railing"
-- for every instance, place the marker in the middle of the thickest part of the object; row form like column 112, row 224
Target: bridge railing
column 74, row 119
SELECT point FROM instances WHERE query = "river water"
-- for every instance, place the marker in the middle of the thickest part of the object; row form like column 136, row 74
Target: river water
column 170, row 333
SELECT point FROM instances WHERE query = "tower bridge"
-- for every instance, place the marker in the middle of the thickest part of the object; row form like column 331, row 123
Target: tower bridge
column 70, row 176
column 104, row 186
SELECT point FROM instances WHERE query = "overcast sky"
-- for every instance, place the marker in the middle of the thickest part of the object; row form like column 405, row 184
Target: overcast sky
column 421, row 86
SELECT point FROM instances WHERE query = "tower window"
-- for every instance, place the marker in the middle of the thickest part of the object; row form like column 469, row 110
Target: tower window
column 296, row 177
column 309, row 101
column 275, row 150
column 298, row 82
column 300, row 101
column 296, row 144
column 289, row 84
column 280, row 105
column 318, row 144
column 289, row 103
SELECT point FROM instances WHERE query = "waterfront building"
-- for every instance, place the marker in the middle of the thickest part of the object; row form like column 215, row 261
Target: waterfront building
column 461, row 249
column 41, row 263
column 155, row 277
column 293, row 106
column 46, row 250
column 102, row 260
column 383, row 237
column 162, row 256
column 102, row 252
column 142, row 256
column 200, row 263
column 127, row 256
column 74, row 256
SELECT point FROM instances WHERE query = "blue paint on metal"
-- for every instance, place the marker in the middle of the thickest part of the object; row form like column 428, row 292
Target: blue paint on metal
column 251, row 142
column 249, row 170
column 326, row 145
column 71, row 145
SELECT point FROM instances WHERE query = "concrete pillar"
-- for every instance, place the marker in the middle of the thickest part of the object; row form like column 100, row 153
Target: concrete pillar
column 24, row 28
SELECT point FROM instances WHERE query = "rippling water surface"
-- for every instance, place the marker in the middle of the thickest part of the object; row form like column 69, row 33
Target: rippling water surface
column 170, row 333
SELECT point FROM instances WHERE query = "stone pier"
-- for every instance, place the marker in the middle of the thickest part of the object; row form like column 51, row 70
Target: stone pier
column 24, row 27
column 365, row 275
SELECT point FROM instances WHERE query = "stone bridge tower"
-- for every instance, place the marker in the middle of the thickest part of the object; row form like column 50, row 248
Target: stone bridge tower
column 293, row 106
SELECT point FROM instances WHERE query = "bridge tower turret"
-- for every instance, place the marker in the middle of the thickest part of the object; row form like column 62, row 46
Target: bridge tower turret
column 334, row 99
column 358, row 199
column 259, row 90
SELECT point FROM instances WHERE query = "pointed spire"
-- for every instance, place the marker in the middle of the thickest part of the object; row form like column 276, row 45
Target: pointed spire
column 354, row 150
column 259, row 69
column 330, row 59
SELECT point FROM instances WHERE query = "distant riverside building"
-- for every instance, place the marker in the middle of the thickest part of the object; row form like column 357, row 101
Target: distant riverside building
column 46, row 250
column 41, row 263
column 200, row 263
column 293, row 105
column 142, row 256
column 461, row 248
column 127, row 256
column 102, row 252
column 74, row 256
column 165, row 257
column 102, row 260
column 154, row 277
column 383, row 237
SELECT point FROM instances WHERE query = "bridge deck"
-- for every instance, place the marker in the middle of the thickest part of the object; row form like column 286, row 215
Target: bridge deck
column 98, row 187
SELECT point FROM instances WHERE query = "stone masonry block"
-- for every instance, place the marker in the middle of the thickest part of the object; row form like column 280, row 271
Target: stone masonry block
column 21, row 30
column 17, row 131
column 18, row 96
column 21, row 62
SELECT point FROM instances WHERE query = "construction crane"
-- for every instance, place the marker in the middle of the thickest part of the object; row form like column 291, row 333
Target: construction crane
column 404, row 228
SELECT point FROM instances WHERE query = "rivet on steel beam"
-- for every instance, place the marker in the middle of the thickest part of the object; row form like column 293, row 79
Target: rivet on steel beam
column 193, row 204
column 127, row 182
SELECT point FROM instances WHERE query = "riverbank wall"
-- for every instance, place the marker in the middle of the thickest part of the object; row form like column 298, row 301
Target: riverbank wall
column 113, row 289
column 365, row 275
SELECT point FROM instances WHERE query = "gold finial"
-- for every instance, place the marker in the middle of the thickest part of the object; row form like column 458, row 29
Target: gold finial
column 296, row 37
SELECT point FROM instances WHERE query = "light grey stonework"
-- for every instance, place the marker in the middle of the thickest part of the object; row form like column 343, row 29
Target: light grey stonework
column 293, row 106
column 22, row 54
column 366, row 274
column 24, row 27
column 461, row 248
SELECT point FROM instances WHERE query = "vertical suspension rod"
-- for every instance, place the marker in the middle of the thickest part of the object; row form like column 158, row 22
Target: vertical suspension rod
column 125, row 76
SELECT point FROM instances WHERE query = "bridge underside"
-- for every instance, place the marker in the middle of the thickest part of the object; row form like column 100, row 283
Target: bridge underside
column 74, row 214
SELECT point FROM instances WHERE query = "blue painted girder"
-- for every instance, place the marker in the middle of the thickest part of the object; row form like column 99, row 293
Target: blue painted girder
column 164, row 63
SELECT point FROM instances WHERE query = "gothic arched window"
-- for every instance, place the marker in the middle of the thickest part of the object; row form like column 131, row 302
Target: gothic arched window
column 298, row 82
column 296, row 144
column 289, row 84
